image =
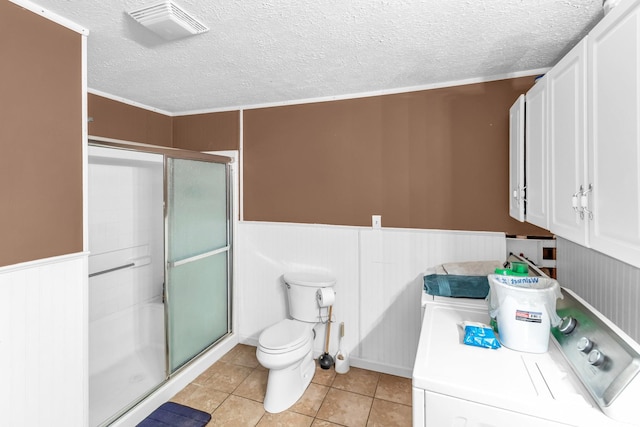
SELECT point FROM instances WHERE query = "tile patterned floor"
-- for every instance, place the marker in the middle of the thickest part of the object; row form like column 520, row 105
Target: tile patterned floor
column 232, row 391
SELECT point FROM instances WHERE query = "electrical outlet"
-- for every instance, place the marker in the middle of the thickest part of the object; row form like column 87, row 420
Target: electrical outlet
column 376, row 221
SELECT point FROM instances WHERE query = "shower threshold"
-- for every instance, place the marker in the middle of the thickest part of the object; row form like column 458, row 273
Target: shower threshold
column 117, row 388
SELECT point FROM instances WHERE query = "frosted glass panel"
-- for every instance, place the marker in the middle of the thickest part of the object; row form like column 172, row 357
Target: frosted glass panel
column 198, row 208
column 197, row 307
column 197, row 280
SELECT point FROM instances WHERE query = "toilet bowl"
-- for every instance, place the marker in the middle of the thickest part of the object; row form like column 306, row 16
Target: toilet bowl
column 286, row 347
column 286, row 350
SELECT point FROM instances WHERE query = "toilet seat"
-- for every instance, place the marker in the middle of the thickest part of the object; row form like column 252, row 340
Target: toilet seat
column 284, row 336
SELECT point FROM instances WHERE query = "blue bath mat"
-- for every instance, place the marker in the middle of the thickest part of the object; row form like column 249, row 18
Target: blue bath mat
column 172, row 414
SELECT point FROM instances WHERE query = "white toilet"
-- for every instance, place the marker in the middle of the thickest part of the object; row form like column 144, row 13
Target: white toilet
column 286, row 347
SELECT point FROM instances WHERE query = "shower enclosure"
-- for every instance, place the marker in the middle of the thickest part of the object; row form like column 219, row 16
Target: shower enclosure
column 159, row 269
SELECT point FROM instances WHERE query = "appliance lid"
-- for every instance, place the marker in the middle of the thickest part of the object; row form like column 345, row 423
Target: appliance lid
column 309, row 279
column 537, row 385
column 285, row 334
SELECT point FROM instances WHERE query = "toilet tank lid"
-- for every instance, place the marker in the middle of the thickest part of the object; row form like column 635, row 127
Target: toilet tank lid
column 309, row 279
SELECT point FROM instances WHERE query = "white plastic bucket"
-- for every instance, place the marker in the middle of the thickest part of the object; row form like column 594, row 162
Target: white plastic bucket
column 525, row 310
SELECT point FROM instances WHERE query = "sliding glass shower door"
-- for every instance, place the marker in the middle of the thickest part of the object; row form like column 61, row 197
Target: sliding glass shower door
column 126, row 276
column 198, row 254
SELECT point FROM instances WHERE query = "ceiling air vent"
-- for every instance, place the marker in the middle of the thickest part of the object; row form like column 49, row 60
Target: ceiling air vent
column 168, row 20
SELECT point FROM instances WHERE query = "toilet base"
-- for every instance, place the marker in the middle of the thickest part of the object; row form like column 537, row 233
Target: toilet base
column 286, row 386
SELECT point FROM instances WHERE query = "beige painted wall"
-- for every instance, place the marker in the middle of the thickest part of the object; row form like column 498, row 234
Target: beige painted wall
column 40, row 137
column 429, row 159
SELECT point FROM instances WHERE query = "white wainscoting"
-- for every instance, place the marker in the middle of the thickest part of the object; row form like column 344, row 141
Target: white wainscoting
column 379, row 275
column 611, row 286
column 43, row 342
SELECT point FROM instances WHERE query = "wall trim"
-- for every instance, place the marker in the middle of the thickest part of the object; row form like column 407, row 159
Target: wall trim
column 85, row 148
column 362, row 227
column 39, row 10
column 329, row 98
column 241, row 167
column 129, row 102
column 43, row 262
column 384, row 368
column 396, row 91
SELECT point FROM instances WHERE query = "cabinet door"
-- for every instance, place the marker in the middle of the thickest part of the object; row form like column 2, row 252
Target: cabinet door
column 516, row 159
column 566, row 87
column 536, row 154
column 614, row 134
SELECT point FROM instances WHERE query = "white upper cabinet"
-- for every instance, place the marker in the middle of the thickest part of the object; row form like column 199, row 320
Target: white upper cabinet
column 516, row 160
column 614, row 134
column 583, row 141
column 536, row 128
column 566, row 83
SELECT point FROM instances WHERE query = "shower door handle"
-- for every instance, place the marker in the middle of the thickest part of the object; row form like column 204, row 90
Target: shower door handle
column 198, row 257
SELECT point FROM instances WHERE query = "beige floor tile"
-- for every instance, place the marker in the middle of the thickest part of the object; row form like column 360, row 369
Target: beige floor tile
column 285, row 419
column 393, row 388
column 237, row 411
column 182, row 396
column 323, row 376
column 349, row 403
column 358, row 381
column 311, row 400
column 389, row 414
column 242, row 354
column 254, row 386
column 226, row 377
column 323, row 423
column 205, row 398
column 203, row 377
column 346, row 408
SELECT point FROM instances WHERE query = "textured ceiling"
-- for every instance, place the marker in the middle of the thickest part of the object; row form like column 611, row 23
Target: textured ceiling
column 272, row 51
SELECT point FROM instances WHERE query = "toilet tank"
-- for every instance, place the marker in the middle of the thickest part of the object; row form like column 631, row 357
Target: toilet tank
column 301, row 291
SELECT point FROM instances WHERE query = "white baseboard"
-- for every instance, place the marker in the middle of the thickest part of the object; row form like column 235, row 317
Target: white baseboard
column 355, row 362
column 380, row 367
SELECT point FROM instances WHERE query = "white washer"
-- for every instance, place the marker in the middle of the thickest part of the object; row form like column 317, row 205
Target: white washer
column 459, row 385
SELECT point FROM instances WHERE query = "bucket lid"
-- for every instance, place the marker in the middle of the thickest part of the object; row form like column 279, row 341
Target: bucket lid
column 284, row 334
column 315, row 280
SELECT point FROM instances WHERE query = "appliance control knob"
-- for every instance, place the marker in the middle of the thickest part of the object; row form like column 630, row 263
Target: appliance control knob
column 567, row 325
column 585, row 345
column 596, row 358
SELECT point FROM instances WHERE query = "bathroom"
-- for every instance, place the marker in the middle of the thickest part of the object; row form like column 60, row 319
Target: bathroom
column 425, row 221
